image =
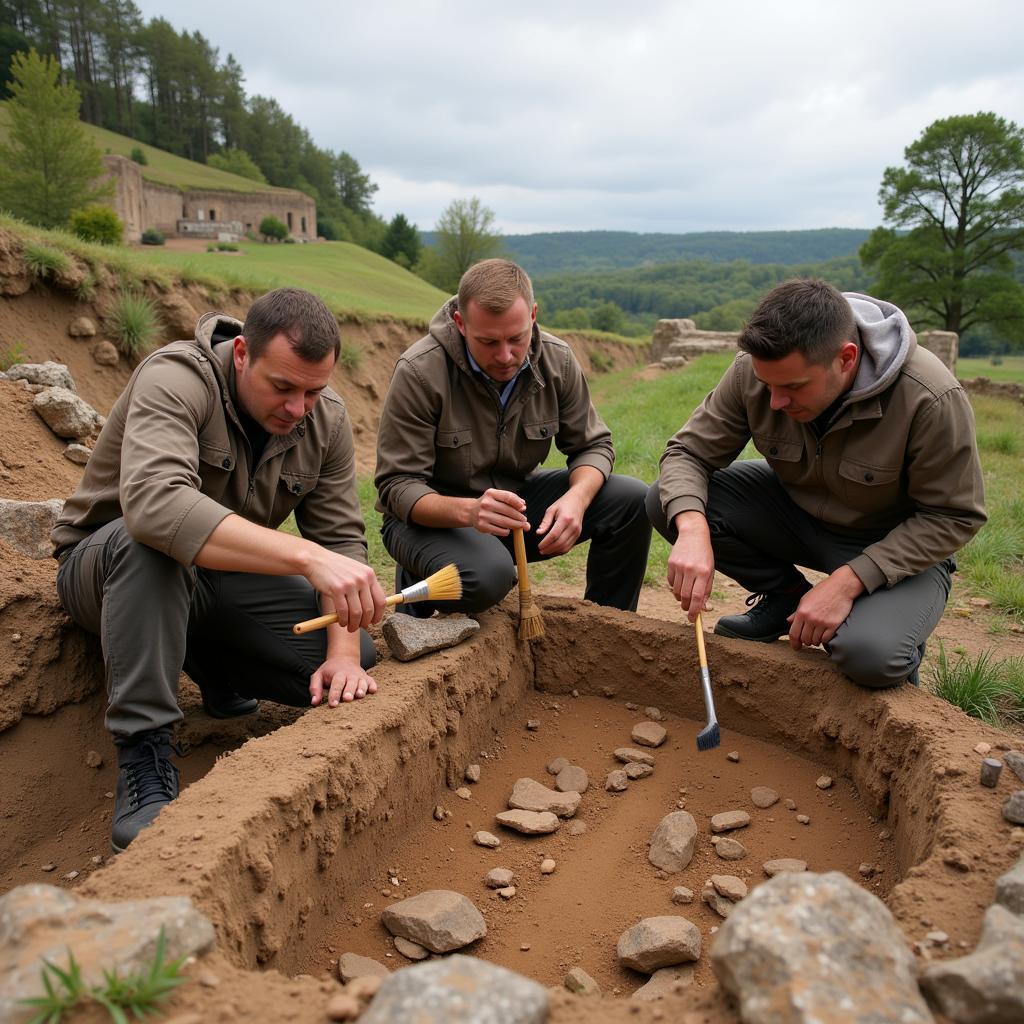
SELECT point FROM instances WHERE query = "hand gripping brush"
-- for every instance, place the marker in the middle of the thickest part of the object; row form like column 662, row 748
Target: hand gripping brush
column 709, row 737
column 443, row 585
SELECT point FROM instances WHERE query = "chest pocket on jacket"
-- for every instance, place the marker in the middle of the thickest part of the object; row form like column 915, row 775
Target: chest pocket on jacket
column 869, row 488
column 454, row 458
column 292, row 487
column 783, row 456
column 537, row 441
column 216, row 465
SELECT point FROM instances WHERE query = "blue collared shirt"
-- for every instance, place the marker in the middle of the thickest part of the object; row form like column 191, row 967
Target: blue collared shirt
column 504, row 393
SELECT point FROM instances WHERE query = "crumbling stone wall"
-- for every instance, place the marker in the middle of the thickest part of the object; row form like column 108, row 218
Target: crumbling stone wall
column 944, row 344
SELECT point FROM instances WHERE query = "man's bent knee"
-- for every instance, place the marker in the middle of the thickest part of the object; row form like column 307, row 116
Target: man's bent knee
column 872, row 666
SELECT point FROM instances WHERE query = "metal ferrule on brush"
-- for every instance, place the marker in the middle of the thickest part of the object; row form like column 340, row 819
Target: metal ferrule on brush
column 705, row 680
column 417, row 592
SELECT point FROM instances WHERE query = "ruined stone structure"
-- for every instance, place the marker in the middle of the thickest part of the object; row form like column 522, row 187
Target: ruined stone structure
column 944, row 344
column 203, row 213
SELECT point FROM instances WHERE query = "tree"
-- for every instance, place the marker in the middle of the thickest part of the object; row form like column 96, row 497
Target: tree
column 401, row 242
column 464, row 237
column 48, row 167
column 237, row 161
column 957, row 215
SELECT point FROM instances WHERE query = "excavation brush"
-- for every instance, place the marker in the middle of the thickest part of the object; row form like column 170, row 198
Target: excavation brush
column 531, row 621
column 443, row 585
column 709, row 737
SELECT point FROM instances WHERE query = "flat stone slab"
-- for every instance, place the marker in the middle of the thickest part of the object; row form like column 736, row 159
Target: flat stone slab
column 657, row 942
column 439, row 919
column 762, row 796
column 499, row 878
column 530, row 795
column 408, row 637
column 782, row 865
column 638, row 770
column 648, row 734
column 730, row 849
column 457, row 990
column 673, row 842
column 352, row 965
column 572, row 779
column 729, row 820
column 629, row 754
column 530, row 823
column 580, row 983
column 667, row 981
column 411, row 950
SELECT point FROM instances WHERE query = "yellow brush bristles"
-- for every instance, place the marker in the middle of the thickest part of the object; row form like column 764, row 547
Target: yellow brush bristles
column 531, row 621
column 445, row 584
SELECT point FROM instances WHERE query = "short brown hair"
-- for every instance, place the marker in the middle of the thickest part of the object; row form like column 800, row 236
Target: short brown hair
column 300, row 316
column 494, row 285
column 808, row 316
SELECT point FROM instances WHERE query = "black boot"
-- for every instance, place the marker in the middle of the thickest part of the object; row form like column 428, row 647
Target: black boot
column 223, row 703
column 767, row 619
column 146, row 783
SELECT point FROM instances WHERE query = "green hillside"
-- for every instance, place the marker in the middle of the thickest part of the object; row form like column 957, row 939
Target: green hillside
column 163, row 168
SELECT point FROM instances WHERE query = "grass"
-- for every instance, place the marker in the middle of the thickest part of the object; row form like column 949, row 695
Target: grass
column 134, row 323
column 1010, row 369
column 983, row 687
column 44, row 261
column 12, row 356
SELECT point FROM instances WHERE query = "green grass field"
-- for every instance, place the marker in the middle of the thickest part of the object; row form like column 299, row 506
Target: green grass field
column 1010, row 368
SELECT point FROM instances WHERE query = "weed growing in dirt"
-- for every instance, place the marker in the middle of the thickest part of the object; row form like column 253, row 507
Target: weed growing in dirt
column 43, row 261
column 134, row 323
column 140, row 993
column 982, row 687
column 12, row 356
column 86, row 291
column 351, row 356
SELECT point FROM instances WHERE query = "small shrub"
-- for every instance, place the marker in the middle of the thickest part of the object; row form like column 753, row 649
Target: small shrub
column 227, row 247
column 97, row 224
column 12, row 357
column 86, row 291
column 152, row 236
column 272, row 228
column 134, row 323
column 139, row 155
column 600, row 363
column 350, row 356
column 43, row 262
column 289, row 240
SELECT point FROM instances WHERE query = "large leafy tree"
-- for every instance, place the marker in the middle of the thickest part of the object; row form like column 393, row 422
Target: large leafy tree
column 465, row 235
column 48, row 167
column 956, row 210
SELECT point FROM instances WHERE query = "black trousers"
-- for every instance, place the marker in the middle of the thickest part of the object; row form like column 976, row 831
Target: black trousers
column 615, row 524
column 228, row 630
column 759, row 535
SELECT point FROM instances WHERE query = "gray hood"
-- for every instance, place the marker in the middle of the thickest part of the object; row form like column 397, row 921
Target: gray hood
column 886, row 343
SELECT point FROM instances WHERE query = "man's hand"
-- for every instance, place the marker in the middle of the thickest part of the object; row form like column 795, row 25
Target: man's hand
column 562, row 524
column 344, row 680
column 497, row 512
column 824, row 608
column 351, row 586
column 691, row 564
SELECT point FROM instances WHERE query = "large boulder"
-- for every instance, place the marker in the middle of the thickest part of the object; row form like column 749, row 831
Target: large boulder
column 438, row 919
column 26, row 525
column 66, row 414
column 805, row 948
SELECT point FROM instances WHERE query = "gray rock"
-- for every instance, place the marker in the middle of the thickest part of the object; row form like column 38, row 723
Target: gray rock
column 499, row 878
column 720, row 904
column 762, row 796
column 731, row 887
column 409, row 637
column 557, row 764
column 730, row 849
column 48, row 374
column 659, row 942
column 808, row 947
column 729, row 820
column 1014, row 760
column 105, row 353
column 580, row 983
column 629, row 754
column 26, row 525
column 783, row 865
column 77, row 453
column 668, row 981
column 530, row 795
column 472, row 773
column 40, row 922
column 1010, row 888
column 673, row 842
column 439, row 919
column 530, row 823
column 457, row 990
column 81, row 327
column 572, row 779
column 352, row 965
column 638, row 770
column 987, row 986
column 66, row 414
column 487, row 839
column 410, row 950
column 1013, row 809
column 616, row 782
column 654, row 714
column 681, row 895
column 648, row 734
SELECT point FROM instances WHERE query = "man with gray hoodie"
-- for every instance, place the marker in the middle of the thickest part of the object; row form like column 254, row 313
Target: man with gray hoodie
column 869, row 473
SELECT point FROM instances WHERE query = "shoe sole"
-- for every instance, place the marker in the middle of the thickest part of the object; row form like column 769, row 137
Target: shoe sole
column 725, row 631
column 214, row 713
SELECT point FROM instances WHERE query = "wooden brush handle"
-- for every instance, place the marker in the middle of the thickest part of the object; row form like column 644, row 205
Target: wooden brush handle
column 328, row 620
column 519, row 545
column 701, row 654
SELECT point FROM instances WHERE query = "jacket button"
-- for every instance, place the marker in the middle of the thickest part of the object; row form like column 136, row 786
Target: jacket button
column 226, row 463
column 455, row 440
column 296, row 488
column 543, row 431
column 773, row 450
column 869, row 477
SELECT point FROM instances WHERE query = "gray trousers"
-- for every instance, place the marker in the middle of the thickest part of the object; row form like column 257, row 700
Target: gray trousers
column 759, row 535
column 231, row 632
column 615, row 524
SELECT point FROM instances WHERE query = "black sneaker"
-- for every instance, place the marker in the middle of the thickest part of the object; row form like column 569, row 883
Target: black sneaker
column 767, row 619
column 147, row 782
column 227, row 703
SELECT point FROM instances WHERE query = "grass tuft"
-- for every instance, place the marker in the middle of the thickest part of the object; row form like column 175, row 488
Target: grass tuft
column 43, row 261
column 983, row 687
column 134, row 323
column 350, row 356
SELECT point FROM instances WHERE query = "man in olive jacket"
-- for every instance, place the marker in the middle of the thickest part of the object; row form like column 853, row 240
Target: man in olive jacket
column 471, row 412
column 870, row 474
column 169, row 548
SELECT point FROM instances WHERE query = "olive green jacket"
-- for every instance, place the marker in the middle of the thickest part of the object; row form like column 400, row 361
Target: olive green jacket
column 174, row 460
column 898, row 463
column 443, row 430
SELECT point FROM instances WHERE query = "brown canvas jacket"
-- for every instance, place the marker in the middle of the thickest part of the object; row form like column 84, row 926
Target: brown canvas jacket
column 442, row 429
column 899, row 465
column 173, row 459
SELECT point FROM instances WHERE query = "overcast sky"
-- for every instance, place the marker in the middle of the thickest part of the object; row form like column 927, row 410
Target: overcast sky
column 636, row 115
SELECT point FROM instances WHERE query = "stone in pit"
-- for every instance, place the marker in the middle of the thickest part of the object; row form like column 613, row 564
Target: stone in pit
column 1010, row 888
column 486, row 839
column 580, row 983
column 1014, row 760
column 1013, row 809
column 638, row 770
column 648, row 734
column 409, row 637
column 530, row 795
column 730, row 849
column 729, row 820
column 630, row 754
column 458, row 990
column 812, row 943
column 783, row 865
column 77, row 453
column 668, row 981
column 572, row 779
column 410, row 950
column 81, row 327
column 438, row 919
column 557, row 764
column 530, row 823
column 352, row 965
column 659, row 942
column 617, row 781
column 762, row 796
column 47, row 375
column 499, row 878
column 673, row 842
column 66, row 414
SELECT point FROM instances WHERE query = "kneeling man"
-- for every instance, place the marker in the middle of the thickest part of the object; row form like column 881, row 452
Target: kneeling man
column 472, row 411
column 869, row 473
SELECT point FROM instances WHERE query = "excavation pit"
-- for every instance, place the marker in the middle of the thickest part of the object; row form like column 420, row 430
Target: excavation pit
column 287, row 838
